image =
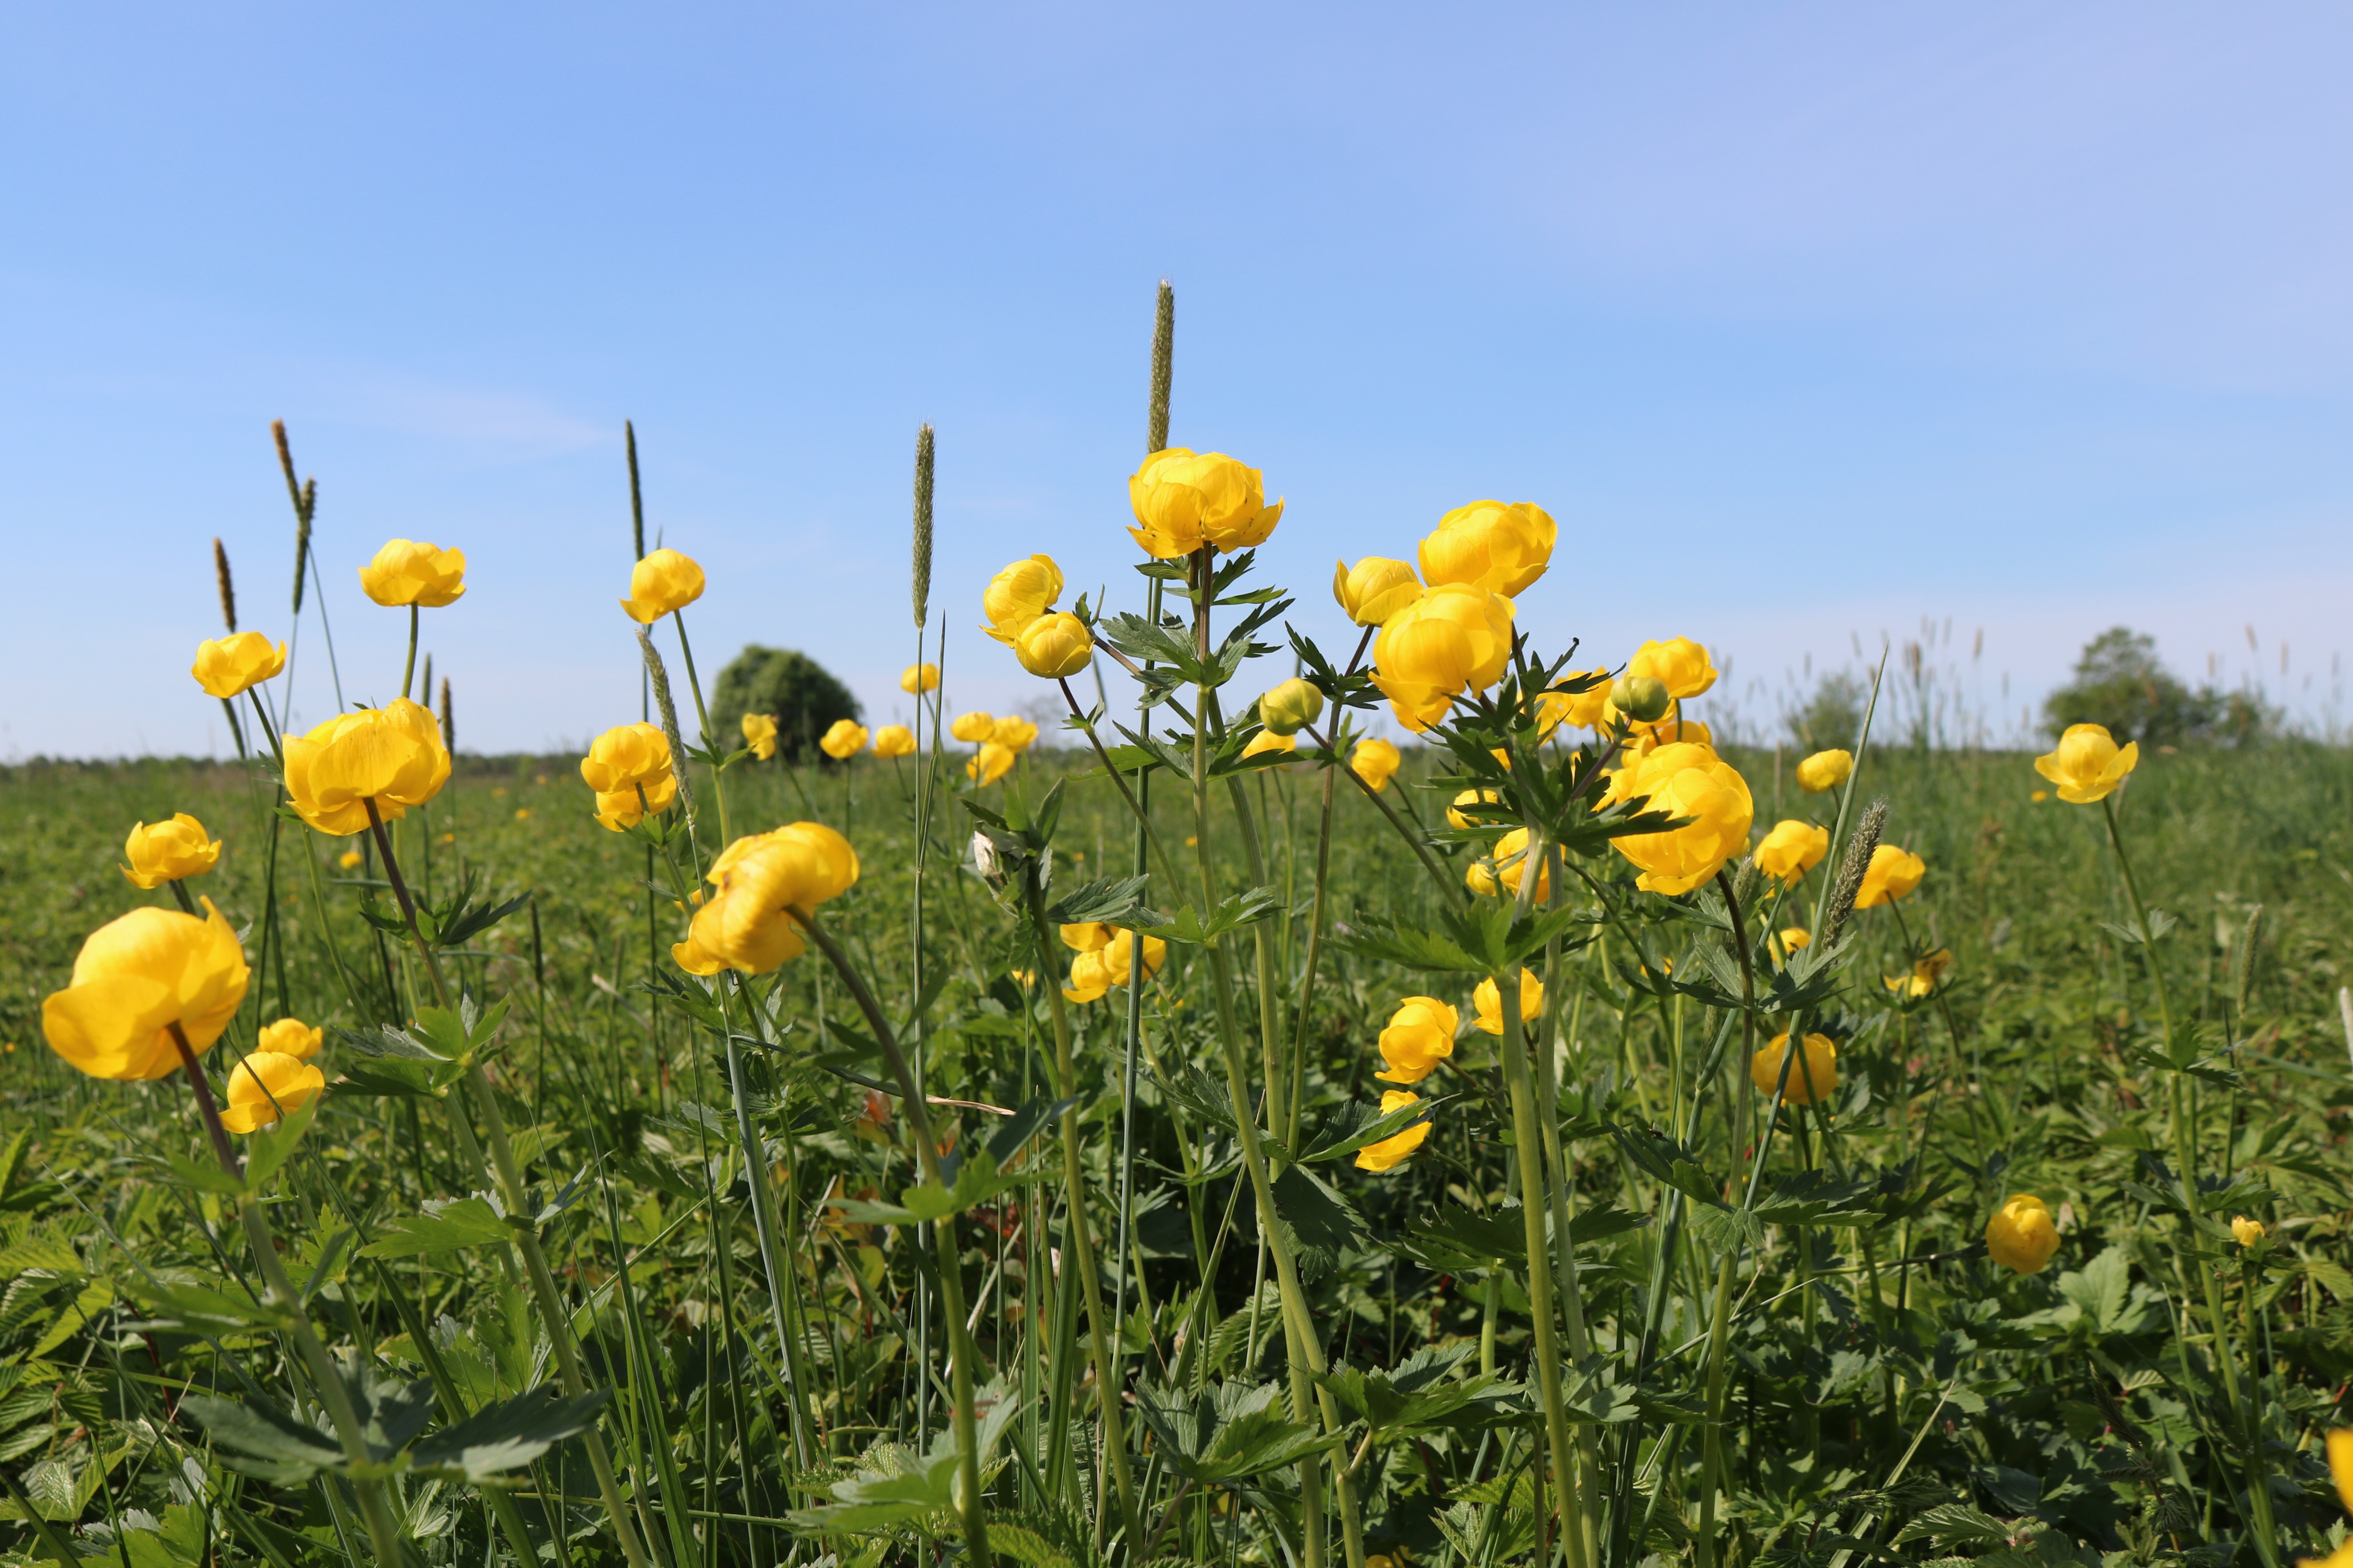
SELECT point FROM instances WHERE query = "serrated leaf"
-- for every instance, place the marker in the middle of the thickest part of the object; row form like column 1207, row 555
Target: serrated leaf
column 507, row 1436
column 449, row 1226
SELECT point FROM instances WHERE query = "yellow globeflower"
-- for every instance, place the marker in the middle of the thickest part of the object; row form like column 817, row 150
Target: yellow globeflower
column 1502, row 547
column 973, row 727
column 226, row 665
column 1389, row 1151
column 1454, row 637
column 759, row 735
column 1685, row 780
column 408, row 572
column 1374, row 589
column 661, row 582
column 917, row 679
column 292, row 1037
column 1290, row 707
column 990, row 763
column 392, row 755
column 1587, row 710
column 1016, row 735
column 2340, row 1469
column 2244, row 1231
column 746, row 925
column 1510, row 854
column 1678, row 663
column 167, row 851
column 1813, row 1077
column 265, row 1085
column 1086, row 936
column 1055, row 646
column 1927, row 969
column 1268, row 740
column 1489, row 1003
column 1185, row 500
column 1825, row 770
column 1789, row 940
column 1119, row 957
column 844, row 740
column 894, row 741
column 349, row 859
column 1376, row 761
column 1458, row 818
column 1792, row 850
column 1019, row 594
column 135, row 978
column 623, row 761
column 2021, row 1236
column 1420, row 1034
column 2087, row 766
column 1892, row 873
column 1088, row 979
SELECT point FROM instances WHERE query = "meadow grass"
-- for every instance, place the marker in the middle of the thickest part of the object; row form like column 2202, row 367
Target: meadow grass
column 1886, row 1392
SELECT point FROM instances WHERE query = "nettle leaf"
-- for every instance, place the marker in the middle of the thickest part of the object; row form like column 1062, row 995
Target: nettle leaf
column 509, row 1436
column 444, row 1226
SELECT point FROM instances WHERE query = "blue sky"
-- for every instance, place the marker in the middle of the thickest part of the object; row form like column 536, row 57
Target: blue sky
column 1809, row 323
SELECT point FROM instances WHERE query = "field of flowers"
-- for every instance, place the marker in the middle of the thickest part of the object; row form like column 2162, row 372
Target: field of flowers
column 1115, row 1146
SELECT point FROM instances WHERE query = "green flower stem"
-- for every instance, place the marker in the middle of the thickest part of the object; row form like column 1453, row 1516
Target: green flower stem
column 333, row 1391
column 1720, row 1321
column 1303, row 1352
column 2185, row 1155
column 1414, row 841
column 764, row 1223
column 1536, row 1206
column 508, row 1176
column 710, row 740
column 409, row 669
column 962, row 1358
column 1562, row 1192
column 1107, row 1387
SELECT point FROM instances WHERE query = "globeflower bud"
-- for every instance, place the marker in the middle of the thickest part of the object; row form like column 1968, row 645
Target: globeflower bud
column 268, row 1085
column 2021, row 1236
column 1267, row 740
column 1420, row 1034
column 759, row 735
column 1088, row 979
column 292, row 1037
column 1055, row 646
column 894, row 741
column 917, row 679
column 1016, row 735
column 1893, row 871
column 168, row 851
column 2247, row 1231
column 1290, row 707
column 1825, row 770
column 843, row 739
column 972, row 727
column 1185, row 500
column 663, row 582
column 408, row 572
column 227, row 666
column 1813, row 1077
column 1375, row 589
column 1376, row 761
column 630, row 768
column 1510, row 856
column 1792, row 850
column 1019, row 594
column 1119, row 957
column 1680, row 662
column 1502, row 547
column 990, row 763
column 1489, row 1003
column 1644, row 699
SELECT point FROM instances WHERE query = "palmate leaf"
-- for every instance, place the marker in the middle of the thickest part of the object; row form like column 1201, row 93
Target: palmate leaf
column 1479, row 940
column 1229, row 1434
column 977, row 1180
column 1321, row 1224
column 1112, row 901
column 1355, row 1124
column 263, row 1441
column 444, row 1226
column 1243, row 909
column 390, row 1061
column 901, row 1488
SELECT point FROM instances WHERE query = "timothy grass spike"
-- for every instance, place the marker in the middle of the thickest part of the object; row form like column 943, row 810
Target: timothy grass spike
column 923, row 580
column 1164, row 367
column 227, row 589
column 449, row 720
column 659, row 678
column 1859, row 850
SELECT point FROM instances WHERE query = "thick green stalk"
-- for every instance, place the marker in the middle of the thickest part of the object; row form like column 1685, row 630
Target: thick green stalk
column 962, row 1358
column 350, row 1431
column 2185, row 1155
column 1107, row 1389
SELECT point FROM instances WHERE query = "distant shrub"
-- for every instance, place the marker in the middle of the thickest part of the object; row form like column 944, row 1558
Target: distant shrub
column 1832, row 716
column 800, row 694
column 2121, row 684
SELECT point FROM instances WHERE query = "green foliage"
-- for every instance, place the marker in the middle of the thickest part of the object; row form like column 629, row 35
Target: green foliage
column 800, row 694
column 1831, row 719
column 2121, row 684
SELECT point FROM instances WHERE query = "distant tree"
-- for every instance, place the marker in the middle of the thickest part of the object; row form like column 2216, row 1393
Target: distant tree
column 788, row 686
column 2122, row 685
column 1832, row 717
